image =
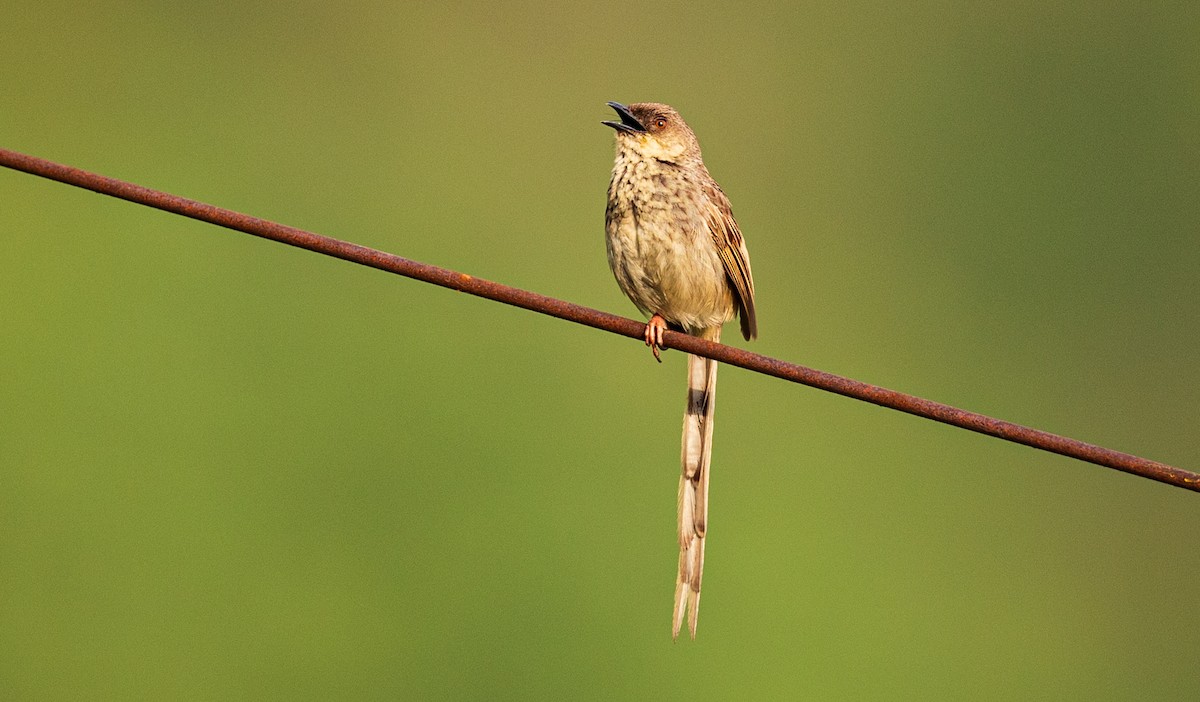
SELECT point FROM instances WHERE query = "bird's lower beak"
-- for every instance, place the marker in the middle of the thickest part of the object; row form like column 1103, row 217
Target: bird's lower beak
column 628, row 122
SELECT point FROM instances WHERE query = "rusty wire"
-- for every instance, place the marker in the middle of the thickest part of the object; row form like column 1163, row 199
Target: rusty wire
column 601, row 320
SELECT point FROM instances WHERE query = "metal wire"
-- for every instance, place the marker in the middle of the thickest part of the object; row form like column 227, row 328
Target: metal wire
column 601, row 320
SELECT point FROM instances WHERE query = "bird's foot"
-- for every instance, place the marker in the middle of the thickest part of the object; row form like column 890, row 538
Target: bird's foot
column 654, row 334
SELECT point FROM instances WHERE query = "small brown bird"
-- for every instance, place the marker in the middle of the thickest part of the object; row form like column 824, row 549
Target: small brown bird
column 676, row 252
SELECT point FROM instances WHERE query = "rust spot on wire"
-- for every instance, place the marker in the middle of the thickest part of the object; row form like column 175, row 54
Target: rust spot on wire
column 866, row 392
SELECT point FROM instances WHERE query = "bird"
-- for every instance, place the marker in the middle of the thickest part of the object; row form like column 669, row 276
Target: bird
column 678, row 255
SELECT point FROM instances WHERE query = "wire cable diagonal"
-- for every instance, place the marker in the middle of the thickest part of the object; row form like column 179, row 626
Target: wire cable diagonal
column 866, row 392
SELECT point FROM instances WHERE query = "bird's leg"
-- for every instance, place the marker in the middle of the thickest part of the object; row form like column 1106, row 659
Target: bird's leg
column 654, row 334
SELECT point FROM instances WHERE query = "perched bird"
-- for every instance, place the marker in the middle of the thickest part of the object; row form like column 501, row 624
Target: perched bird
column 676, row 252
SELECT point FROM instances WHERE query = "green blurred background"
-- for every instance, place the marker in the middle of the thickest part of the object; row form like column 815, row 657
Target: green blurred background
column 237, row 470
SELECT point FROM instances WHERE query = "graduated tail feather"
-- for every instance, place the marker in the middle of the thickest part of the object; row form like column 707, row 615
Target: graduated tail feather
column 695, row 457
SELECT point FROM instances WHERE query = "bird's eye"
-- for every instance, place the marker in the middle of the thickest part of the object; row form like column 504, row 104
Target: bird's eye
column 661, row 123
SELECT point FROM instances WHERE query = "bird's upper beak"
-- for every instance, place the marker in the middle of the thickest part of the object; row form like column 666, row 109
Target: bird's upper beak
column 628, row 122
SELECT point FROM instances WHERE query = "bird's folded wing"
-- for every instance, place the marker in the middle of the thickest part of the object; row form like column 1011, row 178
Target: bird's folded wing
column 732, row 250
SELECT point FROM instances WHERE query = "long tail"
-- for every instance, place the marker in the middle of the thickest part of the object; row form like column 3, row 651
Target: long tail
column 693, row 483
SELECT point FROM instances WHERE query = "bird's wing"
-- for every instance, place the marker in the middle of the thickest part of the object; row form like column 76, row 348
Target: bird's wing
column 732, row 250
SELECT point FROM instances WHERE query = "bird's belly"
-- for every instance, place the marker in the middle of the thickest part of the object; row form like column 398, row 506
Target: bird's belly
column 670, row 267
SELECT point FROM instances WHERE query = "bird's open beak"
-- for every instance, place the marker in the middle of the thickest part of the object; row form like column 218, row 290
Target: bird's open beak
column 628, row 122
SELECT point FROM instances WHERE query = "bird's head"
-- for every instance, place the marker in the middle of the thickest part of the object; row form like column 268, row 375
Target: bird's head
column 654, row 131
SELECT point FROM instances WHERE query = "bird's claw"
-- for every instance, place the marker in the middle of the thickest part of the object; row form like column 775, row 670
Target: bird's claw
column 654, row 334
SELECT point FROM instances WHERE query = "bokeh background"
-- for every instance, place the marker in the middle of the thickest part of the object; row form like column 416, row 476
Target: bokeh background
column 230, row 469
